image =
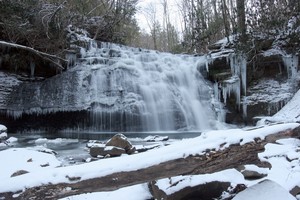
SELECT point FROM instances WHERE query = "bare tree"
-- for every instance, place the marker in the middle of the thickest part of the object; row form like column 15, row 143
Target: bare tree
column 151, row 18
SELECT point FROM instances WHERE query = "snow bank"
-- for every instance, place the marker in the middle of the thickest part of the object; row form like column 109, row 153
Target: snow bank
column 291, row 111
column 181, row 149
column 136, row 192
column 14, row 159
column 284, row 158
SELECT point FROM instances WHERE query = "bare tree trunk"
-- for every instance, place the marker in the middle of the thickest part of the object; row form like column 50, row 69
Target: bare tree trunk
column 224, row 14
column 241, row 19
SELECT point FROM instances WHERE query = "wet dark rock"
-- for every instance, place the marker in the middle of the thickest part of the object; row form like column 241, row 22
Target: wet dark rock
column 295, row 191
column 104, row 151
column 114, row 151
column 97, row 151
column 120, row 141
column 252, row 175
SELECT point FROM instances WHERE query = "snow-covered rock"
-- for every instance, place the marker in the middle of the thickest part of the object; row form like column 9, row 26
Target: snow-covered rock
column 3, row 129
column 121, row 141
column 265, row 190
column 252, row 172
column 12, row 140
column 208, row 186
column 110, row 151
column 3, row 136
column 116, row 146
column 3, row 133
column 156, row 138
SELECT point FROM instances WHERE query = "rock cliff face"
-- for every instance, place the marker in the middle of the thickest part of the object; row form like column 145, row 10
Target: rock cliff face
column 252, row 87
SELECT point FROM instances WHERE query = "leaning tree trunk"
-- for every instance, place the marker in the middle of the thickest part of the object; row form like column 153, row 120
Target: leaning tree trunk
column 55, row 60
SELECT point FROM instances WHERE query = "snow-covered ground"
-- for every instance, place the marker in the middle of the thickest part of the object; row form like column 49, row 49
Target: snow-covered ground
column 44, row 168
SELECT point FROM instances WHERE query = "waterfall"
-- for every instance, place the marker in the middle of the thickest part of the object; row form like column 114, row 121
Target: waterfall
column 124, row 89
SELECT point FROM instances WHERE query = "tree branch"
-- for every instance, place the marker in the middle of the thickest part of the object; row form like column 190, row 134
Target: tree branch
column 49, row 57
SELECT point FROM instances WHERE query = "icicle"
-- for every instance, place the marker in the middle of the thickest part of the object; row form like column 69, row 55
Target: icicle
column 243, row 64
column 291, row 63
column 208, row 61
column 32, row 69
column 245, row 108
column 225, row 94
column 216, row 91
column 232, row 86
column 238, row 66
column 71, row 58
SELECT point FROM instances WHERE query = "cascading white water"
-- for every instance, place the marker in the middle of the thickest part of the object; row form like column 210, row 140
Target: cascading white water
column 166, row 91
column 126, row 89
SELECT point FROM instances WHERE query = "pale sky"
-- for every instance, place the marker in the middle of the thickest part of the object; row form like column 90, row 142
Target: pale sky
column 173, row 12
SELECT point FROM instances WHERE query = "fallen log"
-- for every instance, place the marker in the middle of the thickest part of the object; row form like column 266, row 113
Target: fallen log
column 209, row 161
column 48, row 57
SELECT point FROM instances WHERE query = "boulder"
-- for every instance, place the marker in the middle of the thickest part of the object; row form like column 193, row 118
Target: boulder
column 112, row 151
column 120, row 141
column 96, row 151
column 116, row 146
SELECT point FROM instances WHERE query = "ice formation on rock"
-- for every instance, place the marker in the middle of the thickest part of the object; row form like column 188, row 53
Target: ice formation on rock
column 291, row 63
